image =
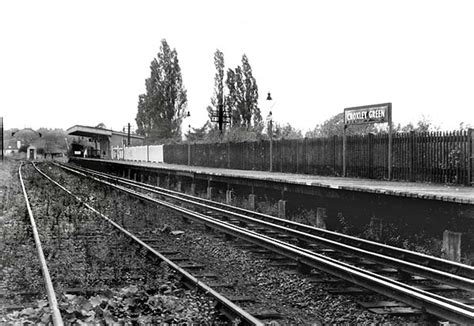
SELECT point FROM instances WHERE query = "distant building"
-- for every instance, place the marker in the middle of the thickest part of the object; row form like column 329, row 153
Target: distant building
column 102, row 140
column 31, row 153
column 12, row 147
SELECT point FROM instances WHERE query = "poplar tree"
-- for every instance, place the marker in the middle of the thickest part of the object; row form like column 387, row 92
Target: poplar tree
column 163, row 106
column 242, row 98
column 217, row 98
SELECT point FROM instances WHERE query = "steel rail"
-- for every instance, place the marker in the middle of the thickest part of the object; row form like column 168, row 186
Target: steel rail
column 460, row 282
column 400, row 253
column 52, row 300
column 236, row 310
column 428, row 302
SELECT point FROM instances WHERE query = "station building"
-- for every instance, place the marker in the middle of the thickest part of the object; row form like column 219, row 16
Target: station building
column 100, row 141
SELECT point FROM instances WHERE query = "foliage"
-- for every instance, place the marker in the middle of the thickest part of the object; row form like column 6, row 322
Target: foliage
column 121, row 305
column 51, row 140
column 218, row 97
column 198, row 134
column 286, row 131
column 465, row 126
column 235, row 134
column 242, row 99
column 424, row 124
column 334, row 126
column 162, row 108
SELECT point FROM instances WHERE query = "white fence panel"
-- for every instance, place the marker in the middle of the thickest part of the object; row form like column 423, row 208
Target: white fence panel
column 117, row 153
column 155, row 153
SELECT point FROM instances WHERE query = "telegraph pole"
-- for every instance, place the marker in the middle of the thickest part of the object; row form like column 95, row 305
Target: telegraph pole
column 128, row 135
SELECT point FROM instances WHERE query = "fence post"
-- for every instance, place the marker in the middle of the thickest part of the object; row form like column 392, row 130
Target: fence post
column 370, row 139
column 344, row 150
column 411, row 151
column 390, row 139
column 470, row 170
column 334, row 152
column 228, row 155
column 189, row 153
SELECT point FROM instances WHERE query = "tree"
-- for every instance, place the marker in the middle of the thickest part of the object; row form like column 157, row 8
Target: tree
column 217, row 99
column 286, row 132
column 250, row 98
column 334, row 126
column 197, row 134
column 424, row 124
column 162, row 108
column 242, row 97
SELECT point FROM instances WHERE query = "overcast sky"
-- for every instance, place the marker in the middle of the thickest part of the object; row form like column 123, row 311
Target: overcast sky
column 84, row 62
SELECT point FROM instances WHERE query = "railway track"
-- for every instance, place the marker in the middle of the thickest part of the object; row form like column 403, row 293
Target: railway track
column 454, row 274
column 233, row 311
column 52, row 300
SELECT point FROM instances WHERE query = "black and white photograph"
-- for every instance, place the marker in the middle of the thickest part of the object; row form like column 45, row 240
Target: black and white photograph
column 236, row 162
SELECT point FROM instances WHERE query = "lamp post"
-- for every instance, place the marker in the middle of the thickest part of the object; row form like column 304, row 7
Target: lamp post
column 189, row 141
column 270, row 131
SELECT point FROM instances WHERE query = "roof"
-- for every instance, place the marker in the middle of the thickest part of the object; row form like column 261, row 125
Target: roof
column 87, row 131
column 11, row 144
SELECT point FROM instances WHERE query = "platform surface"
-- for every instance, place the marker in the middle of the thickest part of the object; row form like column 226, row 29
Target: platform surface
column 432, row 191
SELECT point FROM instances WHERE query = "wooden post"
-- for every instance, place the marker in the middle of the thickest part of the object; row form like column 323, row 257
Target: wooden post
column 228, row 155
column 252, row 202
column 189, row 154
column 375, row 228
column 411, row 151
column 451, row 246
column 370, row 139
column 344, row 151
column 282, row 208
column 210, row 192
column 470, row 169
column 389, row 159
column 321, row 217
column 228, row 197
column 271, row 144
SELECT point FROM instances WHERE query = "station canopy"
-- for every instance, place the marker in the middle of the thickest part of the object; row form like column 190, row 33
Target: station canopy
column 86, row 131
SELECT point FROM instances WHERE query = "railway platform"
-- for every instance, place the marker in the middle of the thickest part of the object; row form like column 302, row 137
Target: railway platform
column 381, row 210
column 303, row 183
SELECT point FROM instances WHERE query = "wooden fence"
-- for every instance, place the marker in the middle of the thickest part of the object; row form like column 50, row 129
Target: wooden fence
column 441, row 157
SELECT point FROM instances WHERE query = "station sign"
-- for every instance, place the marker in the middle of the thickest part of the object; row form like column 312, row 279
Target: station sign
column 377, row 113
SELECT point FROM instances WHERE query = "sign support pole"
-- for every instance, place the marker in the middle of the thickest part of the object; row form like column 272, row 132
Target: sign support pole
column 344, row 146
column 376, row 113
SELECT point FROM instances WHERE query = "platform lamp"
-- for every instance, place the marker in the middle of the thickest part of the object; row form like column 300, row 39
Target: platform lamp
column 270, row 131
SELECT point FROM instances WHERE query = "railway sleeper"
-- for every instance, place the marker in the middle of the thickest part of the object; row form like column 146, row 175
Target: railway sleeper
column 267, row 314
